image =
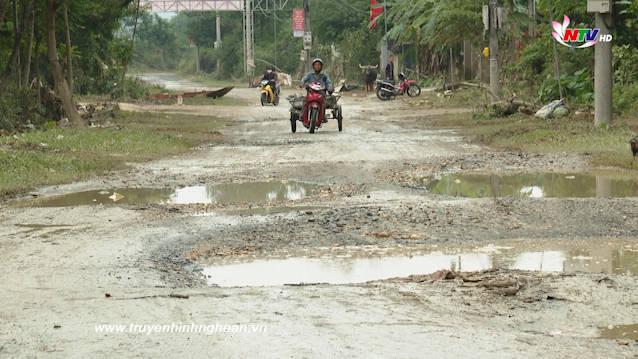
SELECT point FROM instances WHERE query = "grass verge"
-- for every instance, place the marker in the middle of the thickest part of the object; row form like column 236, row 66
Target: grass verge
column 607, row 147
column 58, row 156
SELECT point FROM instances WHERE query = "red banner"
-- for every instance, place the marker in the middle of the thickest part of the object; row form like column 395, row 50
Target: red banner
column 376, row 10
column 298, row 22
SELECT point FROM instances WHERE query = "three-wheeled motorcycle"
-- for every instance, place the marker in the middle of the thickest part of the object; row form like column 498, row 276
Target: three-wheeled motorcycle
column 313, row 109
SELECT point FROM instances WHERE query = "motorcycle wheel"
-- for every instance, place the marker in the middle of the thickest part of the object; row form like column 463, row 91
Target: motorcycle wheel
column 414, row 91
column 314, row 115
column 340, row 118
column 264, row 99
column 382, row 95
column 293, row 123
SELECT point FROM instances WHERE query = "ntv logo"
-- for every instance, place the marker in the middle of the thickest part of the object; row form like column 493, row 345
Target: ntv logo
column 571, row 36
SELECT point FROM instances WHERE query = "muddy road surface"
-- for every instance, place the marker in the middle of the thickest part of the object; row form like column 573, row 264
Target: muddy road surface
column 389, row 239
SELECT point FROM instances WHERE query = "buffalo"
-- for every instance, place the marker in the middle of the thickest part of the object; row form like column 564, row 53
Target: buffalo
column 369, row 76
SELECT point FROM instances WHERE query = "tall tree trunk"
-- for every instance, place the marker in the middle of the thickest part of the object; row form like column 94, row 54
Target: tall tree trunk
column 4, row 5
column 132, row 48
column 11, row 67
column 67, row 37
column 29, row 57
column 18, row 39
column 61, row 87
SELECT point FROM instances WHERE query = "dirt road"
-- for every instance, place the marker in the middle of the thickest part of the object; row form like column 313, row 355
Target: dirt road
column 558, row 274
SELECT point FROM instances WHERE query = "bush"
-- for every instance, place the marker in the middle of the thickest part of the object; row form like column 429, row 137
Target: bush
column 625, row 64
column 20, row 109
column 626, row 98
column 578, row 87
column 131, row 89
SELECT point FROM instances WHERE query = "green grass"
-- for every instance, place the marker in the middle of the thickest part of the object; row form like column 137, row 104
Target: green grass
column 608, row 147
column 63, row 155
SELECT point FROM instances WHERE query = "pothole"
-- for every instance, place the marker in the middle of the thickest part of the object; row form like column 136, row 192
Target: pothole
column 344, row 268
column 536, row 185
column 626, row 331
column 230, row 193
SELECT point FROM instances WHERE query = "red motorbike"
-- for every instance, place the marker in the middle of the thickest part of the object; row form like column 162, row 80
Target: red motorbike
column 311, row 110
column 387, row 90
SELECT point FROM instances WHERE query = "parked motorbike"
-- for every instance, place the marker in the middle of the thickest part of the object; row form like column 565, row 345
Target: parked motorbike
column 387, row 90
column 311, row 109
column 268, row 93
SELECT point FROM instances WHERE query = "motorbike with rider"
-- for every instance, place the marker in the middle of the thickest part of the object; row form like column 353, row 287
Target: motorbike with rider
column 319, row 97
column 269, row 87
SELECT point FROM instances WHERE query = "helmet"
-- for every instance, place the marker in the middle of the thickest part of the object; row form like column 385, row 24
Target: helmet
column 317, row 60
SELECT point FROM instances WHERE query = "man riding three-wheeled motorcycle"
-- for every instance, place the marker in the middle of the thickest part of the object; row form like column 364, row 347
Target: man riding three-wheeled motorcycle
column 311, row 109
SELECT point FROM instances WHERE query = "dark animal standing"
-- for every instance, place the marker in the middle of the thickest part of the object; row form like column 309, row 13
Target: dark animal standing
column 369, row 76
column 634, row 146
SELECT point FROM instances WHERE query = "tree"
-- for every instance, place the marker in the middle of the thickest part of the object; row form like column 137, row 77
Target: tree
column 61, row 86
column 67, row 41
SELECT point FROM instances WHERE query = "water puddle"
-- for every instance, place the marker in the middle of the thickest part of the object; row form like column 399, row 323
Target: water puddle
column 628, row 331
column 536, row 185
column 232, row 193
column 601, row 257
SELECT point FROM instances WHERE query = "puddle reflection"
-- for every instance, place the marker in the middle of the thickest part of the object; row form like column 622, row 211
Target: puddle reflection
column 536, row 185
column 254, row 192
column 610, row 258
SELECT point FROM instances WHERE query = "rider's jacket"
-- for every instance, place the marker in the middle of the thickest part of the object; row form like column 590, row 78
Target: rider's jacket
column 321, row 77
column 270, row 76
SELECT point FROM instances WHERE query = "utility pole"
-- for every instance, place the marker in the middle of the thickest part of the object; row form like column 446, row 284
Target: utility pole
column 603, row 73
column 249, row 41
column 218, row 43
column 274, row 12
column 307, row 30
column 495, row 86
column 385, row 51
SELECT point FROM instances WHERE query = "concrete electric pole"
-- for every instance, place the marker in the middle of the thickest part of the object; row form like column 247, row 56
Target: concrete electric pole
column 603, row 70
column 218, row 43
column 249, row 41
column 495, row 86
column 307, row 32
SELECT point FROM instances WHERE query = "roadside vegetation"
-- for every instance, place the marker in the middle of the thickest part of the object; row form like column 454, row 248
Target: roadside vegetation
column 60, row 155
column 575, row 134
column 534, row 69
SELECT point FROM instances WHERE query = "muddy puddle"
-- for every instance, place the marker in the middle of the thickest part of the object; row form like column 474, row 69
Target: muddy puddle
column 535, row 185
column 626, row 331
column 346, row 268
column 232, row 193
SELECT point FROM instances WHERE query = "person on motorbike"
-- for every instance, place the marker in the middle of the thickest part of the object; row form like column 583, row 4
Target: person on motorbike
column 271, row 76
column 318, row 75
